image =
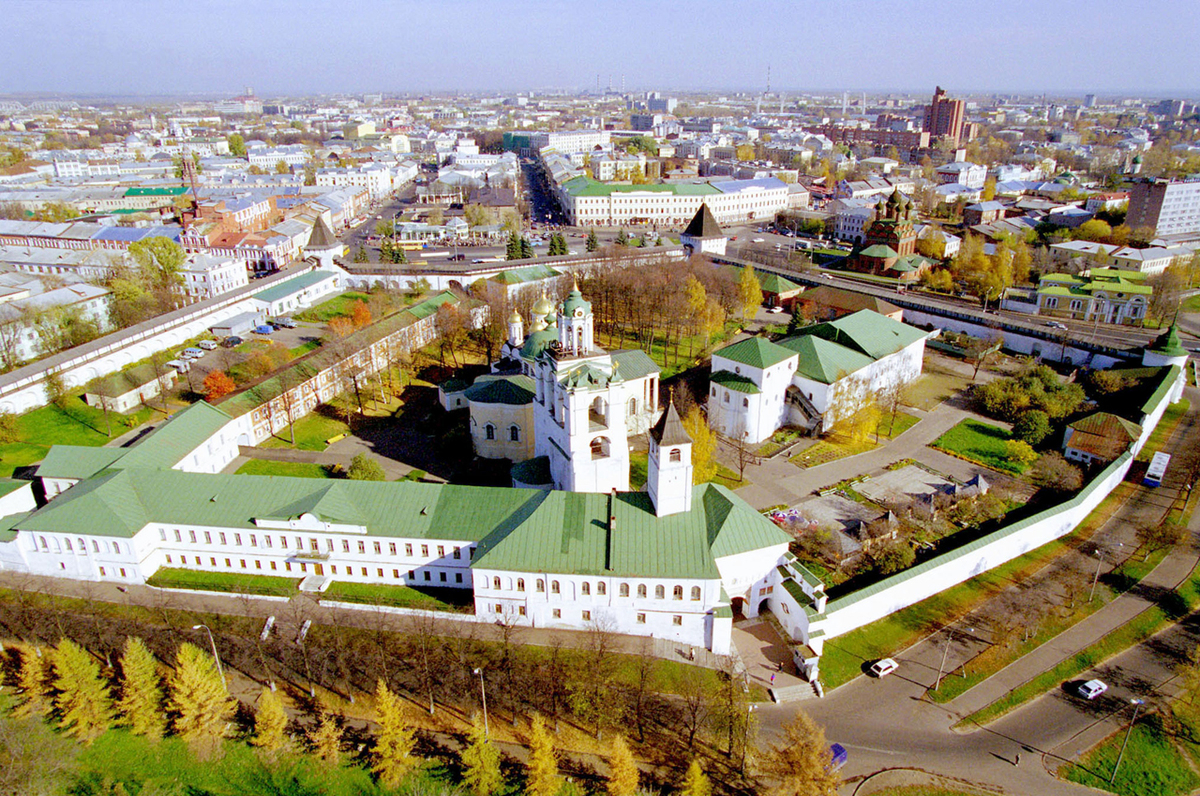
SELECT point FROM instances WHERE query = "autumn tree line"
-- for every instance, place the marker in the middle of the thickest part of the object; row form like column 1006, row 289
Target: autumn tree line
column 132, row 667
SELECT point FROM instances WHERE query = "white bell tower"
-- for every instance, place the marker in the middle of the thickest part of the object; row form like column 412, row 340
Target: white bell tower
column 575, row 325
column 516, row 330
column 669, row 477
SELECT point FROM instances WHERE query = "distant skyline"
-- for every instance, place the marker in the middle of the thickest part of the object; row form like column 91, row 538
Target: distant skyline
column 216, row 47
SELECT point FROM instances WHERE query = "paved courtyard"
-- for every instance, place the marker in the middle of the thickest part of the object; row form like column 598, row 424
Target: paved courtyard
column 898, row 487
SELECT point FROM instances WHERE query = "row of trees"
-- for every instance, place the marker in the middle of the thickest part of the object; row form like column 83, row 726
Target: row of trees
column 68, row 685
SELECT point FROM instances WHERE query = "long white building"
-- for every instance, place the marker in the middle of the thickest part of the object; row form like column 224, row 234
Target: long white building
column 588, row 203
column 675, row 563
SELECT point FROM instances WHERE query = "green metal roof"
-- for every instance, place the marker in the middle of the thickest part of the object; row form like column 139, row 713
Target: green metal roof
column 756, row 352
column 774, row 283
column 632, row 364
column 586, row 186
column 517, row 529
column 510, row 390
column 879, row 250
column 823, row 360
column 294, row 285
column 869, row 332
column 10, row 485
column 732, row 381
column 534, row 472
column 532, row 273
column 176, row 190
column 182, row 433
column 77, row 462
column 1168, row 343
column 126, row 380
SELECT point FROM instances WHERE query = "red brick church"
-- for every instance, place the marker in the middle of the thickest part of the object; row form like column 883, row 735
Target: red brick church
column 891, row 242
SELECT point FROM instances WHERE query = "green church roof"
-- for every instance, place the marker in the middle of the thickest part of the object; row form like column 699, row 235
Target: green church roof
column 756, row 352
column 510, row 390
column 825, row 361
column 1168, row 343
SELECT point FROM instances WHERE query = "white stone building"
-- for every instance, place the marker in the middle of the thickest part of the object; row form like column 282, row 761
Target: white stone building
column 206, row 276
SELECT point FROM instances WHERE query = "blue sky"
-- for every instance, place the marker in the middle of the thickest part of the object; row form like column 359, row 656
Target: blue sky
column 302, row 46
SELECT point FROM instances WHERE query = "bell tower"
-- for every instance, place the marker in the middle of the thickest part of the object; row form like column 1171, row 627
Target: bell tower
column 669, row 477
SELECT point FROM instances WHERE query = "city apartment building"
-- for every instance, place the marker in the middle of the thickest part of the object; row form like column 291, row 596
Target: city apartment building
column 589, row 203
column 206, row 276
column 1169, row 208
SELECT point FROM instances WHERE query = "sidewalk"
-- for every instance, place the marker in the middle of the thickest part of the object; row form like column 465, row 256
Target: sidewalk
column 1166, row 577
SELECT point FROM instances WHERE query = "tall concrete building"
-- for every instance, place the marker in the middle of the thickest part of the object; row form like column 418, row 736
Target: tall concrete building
column 1169, row 208
column 945, row 116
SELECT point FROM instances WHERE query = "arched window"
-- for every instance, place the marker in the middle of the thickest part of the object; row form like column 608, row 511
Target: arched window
column 642, row 591
column 601, row 588
column 541, row 585
column 554, row 587
column 677, row 593
column 520, row 584
column 624, row 590
column 489, row 431
column 496, row 583
column 695, row 592
column 660, row 593
column 514, row 433
column 600, row 448
column 676, row 456
column 586, row 588
column 745, row 402
column 632, row 407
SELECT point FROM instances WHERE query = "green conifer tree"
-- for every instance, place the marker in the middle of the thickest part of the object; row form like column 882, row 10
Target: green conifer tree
column 593, row 242
column 84, row 703
column 512, row 250
column 141, row 704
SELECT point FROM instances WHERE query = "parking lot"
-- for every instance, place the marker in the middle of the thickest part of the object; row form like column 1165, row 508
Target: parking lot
column 223, row 358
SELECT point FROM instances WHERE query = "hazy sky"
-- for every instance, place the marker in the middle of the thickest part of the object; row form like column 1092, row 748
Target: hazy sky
column 303, row 46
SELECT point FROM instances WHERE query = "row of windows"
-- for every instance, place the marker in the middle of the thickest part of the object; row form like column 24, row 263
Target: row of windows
column 586, row 616
column 45, row 546
column 348, row 571
column 585, row 588
column 314, row 543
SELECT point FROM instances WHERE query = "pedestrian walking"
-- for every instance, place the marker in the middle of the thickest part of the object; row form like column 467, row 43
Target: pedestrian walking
column 772, row 678
column 1018, row 759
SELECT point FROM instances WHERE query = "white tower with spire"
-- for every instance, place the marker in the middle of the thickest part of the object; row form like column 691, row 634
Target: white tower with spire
column 516, row 330
column 580, row 404
column 669, row 477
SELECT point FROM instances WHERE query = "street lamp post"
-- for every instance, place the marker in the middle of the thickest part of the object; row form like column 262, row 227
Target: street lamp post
column 1096, row 577
column 216, row 657
column 483, row 694
column 1137, row 704
column 945, row 653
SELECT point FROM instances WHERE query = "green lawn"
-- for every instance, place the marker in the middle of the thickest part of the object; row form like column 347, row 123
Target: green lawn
column 292, row 469
column 1152, row 764
column 639, row 464
column 119, row 762
column 921, row 790
column 333, row 308
column 890, row 429
column 400, row 596
column 312, row 431
column 74, row 424
column 239, row 582
column 981, row 443
column 844, row 656
column 1190, row 304
column 304, row 348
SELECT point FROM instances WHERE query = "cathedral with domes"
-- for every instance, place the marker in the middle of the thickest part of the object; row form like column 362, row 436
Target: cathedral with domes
column 558, row 406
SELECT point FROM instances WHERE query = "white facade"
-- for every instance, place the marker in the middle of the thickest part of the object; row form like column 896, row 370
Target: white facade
column 732, row 202
column 971, row 175
column 206, row 276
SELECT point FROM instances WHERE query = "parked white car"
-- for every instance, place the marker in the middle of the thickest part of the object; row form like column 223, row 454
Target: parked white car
column 208, row 345
column 884, row 667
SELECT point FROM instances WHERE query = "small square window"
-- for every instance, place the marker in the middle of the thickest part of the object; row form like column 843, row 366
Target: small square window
column 557, row 611
column 641, row 619
column 587, row 616
column 428, row 576
column 677, row 620
column 408, row 550
column 458, row 577
column 521, row 610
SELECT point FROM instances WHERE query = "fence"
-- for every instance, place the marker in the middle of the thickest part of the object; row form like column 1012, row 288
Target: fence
column 938, row 574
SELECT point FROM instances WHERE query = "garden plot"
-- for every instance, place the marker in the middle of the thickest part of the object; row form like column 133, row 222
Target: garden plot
column 897, row 488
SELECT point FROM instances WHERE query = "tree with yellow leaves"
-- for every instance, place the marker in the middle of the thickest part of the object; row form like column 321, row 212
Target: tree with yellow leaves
column 83, row 700
column 695, row 782
column 481, row 761
column 141, row 704
column 270, row 723
column 801, row 765
column 32, row 680
column 394, row 739
column 622, row 769
column 200, row 701
column 704, row 446
column 541, row 771
column 327, row 740
column 749, row 293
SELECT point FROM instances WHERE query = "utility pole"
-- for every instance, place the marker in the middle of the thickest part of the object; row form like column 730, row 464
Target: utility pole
column 1137, row 704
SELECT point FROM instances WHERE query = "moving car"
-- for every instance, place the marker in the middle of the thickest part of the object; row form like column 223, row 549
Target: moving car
column 1056, row 325
column 264, row 329
column 883, row 667
column 837, row 756
column 208, row 345
column 775, row 310
column 1092, row 689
